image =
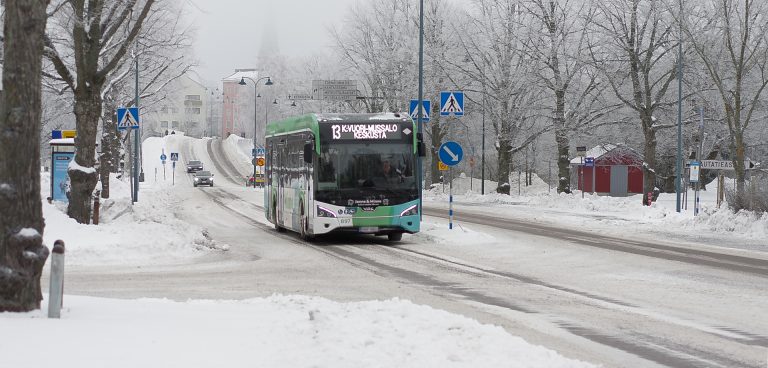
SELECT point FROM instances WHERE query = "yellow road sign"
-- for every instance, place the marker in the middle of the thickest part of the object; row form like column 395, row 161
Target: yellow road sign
column 260, row 161
column 441, row 166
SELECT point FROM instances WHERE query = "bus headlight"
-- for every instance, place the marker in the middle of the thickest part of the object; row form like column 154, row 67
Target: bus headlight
column 324, row 212
column 410, row 211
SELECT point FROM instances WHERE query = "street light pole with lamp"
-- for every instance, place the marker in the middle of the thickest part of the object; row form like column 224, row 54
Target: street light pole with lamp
column 255, row 96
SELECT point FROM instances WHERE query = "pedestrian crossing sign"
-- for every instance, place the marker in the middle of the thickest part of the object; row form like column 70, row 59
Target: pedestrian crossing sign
column 451, row 102
column 127, row 118
column 425, row 109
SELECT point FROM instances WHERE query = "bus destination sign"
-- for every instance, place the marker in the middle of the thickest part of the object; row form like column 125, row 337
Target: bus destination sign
column 366, row 132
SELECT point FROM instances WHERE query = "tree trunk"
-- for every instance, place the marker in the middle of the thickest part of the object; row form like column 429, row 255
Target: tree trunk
column 649, row 168
column 110, row 152
column 22, row 253
column 738, row 163
column 504, row 150
column 563, row 161
column 84, row 178
column 505, row 158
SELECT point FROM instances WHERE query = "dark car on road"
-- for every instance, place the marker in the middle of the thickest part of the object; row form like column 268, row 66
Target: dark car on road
column 203, row 178
column 194, row 165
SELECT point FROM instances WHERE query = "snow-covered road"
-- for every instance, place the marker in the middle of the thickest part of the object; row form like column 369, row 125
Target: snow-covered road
column 617, row 308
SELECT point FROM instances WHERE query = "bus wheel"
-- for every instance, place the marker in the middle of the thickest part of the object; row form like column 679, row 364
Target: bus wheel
column 304, row 231
column 395, row 236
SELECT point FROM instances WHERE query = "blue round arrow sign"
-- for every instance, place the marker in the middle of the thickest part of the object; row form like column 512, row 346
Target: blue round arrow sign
column 451, row 153
column 163, row 157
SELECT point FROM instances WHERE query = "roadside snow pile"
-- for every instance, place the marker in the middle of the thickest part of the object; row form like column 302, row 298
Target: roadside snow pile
column 238, row 151
column 471, row 187
column 610, row 214
column 277, row 331
column 241, row 147
column 142, row 233
column 745, row 223
column 432, row 233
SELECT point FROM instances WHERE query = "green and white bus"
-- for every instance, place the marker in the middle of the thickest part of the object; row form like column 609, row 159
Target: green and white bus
column 343, row 173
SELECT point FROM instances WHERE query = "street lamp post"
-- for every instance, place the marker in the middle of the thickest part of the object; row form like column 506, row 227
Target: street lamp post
column 255, row 96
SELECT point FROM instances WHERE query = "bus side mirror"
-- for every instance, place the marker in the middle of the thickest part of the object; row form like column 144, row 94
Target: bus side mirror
column 308, row 152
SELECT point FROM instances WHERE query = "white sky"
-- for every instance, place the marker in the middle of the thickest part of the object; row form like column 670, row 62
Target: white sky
column 229, row 32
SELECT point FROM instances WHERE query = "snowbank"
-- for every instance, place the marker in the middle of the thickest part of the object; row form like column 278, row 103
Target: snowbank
column 146, row 232
column 616, row 215
column 278, row 331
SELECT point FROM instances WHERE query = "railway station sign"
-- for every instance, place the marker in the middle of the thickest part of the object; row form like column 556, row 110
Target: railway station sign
column 300, row 96
column 335, row 89
column 723, row 164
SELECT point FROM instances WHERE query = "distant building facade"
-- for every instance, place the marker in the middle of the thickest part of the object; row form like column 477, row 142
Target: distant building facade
column 186, row 109
column 238, row 104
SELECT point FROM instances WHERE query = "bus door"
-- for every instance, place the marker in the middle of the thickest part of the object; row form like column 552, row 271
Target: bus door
column 308, row 184
column 282, row 156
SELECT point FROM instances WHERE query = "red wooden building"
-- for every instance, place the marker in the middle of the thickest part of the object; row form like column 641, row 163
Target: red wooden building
column 617, row 171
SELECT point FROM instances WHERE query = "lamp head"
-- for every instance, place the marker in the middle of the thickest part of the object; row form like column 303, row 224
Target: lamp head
column 275, row 102
column 242, row 81
column 293, row 103
column 268, row 82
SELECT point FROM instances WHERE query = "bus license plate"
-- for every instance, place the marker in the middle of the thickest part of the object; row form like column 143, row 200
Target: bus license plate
column 369, row 229
column 345, row 222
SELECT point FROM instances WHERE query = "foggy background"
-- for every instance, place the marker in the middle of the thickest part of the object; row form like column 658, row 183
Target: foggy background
column 230, row 33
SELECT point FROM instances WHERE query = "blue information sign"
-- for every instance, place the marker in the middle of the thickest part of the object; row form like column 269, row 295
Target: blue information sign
column 174, row 156
column 163, row 157
column 589, row 161
column 451, row 153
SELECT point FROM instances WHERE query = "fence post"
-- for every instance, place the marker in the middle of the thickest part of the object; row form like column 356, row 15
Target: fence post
column 56, row 289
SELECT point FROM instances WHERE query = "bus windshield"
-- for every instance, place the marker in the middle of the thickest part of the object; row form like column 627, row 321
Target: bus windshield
column 355, row 169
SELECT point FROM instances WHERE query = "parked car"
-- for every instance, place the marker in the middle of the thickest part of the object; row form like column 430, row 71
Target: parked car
column 194, row 165
column 203, row 178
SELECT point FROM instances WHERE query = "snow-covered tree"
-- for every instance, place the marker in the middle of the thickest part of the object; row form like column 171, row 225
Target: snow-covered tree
column 494, row 63
column 634, row 49
column 730, row 38
column 558, row 43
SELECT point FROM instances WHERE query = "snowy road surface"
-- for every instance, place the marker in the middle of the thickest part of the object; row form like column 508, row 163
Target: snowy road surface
column 600, row 299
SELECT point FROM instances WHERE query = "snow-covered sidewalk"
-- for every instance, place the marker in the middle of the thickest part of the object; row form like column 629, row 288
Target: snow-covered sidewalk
column 278, row 331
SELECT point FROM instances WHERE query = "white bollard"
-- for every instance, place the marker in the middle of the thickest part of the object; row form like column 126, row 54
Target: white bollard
column 56, row 289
